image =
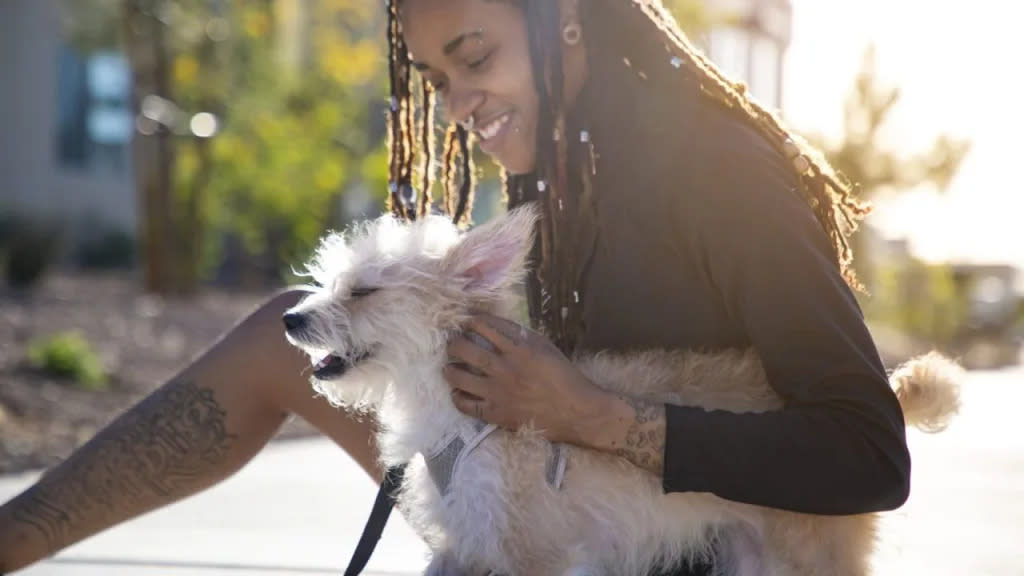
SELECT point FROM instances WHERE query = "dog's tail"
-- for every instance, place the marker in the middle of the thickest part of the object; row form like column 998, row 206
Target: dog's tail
column 928, row 388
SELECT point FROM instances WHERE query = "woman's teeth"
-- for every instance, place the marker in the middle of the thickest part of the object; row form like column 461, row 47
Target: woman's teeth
column 491, row 128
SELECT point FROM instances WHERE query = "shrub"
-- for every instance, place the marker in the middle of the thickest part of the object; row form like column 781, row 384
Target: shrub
column 32, row 247
column 113, row 249
column 69, row 355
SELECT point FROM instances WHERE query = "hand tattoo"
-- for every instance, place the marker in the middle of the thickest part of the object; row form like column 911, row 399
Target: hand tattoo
column 644, row 440
column 158, row 449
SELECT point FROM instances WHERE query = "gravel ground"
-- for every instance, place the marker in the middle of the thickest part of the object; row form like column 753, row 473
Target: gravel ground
column 141, row 340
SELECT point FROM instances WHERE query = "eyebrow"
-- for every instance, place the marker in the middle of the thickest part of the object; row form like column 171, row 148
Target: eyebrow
column 451, row 47
column 457, row 42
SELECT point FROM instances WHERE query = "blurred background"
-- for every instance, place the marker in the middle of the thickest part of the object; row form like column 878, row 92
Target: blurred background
column 166, row 164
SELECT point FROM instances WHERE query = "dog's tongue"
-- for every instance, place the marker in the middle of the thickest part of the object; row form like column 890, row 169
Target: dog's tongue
column 331, row 365
column 325, row 361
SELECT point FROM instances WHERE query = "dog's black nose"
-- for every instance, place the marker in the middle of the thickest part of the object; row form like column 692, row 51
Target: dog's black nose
column 294, row 321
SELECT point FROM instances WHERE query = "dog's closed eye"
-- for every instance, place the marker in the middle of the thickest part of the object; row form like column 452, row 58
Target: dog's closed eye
column 362, row 291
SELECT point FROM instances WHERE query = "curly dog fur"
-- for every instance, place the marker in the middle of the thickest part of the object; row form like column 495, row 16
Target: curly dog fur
column 387, row 297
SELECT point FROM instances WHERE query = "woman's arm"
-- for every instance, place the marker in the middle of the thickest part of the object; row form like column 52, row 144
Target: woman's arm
column 196, row 430
column 628, row 427
column 838, row 446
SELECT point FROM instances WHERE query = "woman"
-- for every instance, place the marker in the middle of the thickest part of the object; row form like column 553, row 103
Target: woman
column 678, row 214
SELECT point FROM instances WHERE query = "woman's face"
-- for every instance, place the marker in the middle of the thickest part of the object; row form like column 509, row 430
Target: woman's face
column 475, row 54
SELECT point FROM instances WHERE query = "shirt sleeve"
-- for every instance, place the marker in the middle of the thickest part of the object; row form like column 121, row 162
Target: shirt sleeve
column 838, row 446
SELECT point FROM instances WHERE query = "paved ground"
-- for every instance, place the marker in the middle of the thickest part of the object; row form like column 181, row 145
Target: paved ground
column 965, row 515
column 299, row 507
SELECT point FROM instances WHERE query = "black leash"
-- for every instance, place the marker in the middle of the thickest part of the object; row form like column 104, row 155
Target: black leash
column 378, row 519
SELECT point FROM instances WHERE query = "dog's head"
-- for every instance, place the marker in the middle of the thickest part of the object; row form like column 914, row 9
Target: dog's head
column 388, row 293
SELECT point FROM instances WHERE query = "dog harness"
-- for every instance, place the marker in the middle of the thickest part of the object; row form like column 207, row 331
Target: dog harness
column 444, row 460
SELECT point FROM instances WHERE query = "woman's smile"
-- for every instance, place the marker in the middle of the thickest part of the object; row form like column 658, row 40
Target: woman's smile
column 492, row 132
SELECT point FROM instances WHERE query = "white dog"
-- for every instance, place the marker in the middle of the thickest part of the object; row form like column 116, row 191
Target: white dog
column 390, row 295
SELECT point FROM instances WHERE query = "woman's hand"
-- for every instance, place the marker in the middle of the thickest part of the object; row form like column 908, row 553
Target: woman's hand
column 520, row 379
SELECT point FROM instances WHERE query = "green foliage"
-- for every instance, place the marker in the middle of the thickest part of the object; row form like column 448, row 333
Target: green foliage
column 298, row 90
column 691, row 15
column 860, row 155
column 872, row 168
column 920, row 300
column 91, row 25
column 297, row 135
column 68, row 355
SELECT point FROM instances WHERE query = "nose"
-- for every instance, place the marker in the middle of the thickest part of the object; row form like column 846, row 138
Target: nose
column 460, row 104
column 294, row 321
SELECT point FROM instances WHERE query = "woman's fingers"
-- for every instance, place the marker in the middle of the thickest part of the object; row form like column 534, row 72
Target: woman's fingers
column 506, row 335
column 462, row 350
column 461, row 379
column 471, row 405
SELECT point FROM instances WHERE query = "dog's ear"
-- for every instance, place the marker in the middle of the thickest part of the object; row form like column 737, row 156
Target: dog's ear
column 493, row 255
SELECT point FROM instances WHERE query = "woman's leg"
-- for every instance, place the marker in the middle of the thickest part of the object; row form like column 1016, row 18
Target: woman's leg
column 196, row 430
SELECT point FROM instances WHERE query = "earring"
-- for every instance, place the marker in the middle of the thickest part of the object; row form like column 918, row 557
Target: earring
column 468, row 124
column 571, row 34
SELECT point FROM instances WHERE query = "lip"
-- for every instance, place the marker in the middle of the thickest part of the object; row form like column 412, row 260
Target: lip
column 490, row 145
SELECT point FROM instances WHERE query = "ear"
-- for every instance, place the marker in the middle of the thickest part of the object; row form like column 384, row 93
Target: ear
column 493, row 256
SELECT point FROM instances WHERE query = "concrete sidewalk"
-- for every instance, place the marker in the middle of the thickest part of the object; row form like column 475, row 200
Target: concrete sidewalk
column 297, row 508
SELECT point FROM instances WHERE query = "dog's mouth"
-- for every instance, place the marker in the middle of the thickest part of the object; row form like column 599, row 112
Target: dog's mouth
column 332, row 366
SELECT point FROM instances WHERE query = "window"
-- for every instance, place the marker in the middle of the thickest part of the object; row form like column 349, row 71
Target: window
column 728, row 48
column 764, row 70
column 94, row 112
column 750, row 57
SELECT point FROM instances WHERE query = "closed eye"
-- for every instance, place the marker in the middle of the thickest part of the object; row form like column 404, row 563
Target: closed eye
column 362, row 292
column 475, row 64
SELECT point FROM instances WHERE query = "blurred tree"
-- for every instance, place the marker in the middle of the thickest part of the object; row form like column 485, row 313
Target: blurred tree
column 920, row 300
column 254, row 118
column 145, row 30
column 91, row 26
column 305, row 126
column 297, row 91
column 145, row 42
column 691, row 15
column 862, row 159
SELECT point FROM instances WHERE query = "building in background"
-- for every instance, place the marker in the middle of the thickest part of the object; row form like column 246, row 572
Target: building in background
column 748, row 39
column 66, row 126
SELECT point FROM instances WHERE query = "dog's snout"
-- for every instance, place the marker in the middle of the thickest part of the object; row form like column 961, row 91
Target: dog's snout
column 294, row 321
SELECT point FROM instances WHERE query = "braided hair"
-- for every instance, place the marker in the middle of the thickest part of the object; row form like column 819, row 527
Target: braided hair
column 632, row 41
column 411, row 132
